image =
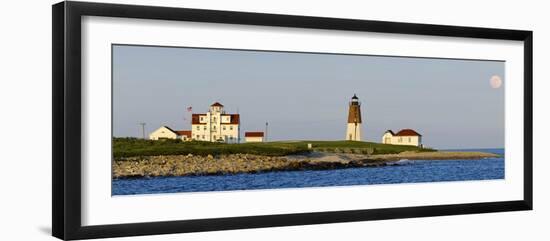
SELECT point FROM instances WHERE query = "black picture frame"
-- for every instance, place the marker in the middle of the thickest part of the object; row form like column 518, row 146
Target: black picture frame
column 66, row 75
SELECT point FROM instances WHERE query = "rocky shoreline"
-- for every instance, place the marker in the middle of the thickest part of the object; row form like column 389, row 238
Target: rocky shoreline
column 437, row 155
column 193, row 165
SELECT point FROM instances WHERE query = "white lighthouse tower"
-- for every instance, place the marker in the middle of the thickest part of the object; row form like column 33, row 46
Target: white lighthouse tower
column 353, row 132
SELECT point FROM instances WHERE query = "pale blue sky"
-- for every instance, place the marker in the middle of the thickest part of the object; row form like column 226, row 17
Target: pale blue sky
column 305, row 96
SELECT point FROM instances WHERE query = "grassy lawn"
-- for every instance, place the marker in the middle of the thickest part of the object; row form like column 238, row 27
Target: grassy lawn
column 361, row 147
column 128, row 147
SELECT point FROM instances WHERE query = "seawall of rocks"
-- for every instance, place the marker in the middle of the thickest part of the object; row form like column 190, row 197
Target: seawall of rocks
column 185, row 165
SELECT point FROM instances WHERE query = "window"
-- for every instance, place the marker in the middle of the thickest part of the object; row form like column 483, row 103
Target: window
column 198, row 128
column 224, row 128
column 409, row 139
column 202, row 119
column 400, row 139
column 231, row 128
column 198, row 137
column 203, row 137
column 204, row 127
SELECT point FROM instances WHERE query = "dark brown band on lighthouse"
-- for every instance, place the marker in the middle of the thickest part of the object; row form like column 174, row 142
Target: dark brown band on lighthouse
column 354, row 115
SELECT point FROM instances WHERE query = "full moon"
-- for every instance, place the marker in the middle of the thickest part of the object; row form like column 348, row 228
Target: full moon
column 496, row 82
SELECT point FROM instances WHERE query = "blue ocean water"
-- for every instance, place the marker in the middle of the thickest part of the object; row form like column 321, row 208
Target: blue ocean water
column 402, row 172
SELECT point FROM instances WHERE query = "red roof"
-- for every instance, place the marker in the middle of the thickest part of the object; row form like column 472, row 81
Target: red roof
column 195, row 119
column 254, row 134
column 183, row 133
column 407, row 132
column 234, row 119
column 217, row 104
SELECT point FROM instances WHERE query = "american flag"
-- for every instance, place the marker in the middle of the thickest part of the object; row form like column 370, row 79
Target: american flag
column 189, row 109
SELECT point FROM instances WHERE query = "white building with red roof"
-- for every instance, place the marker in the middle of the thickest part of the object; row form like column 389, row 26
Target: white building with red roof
column 406, row 137
column 165, row 132
column 254, row 136
column 215, row 125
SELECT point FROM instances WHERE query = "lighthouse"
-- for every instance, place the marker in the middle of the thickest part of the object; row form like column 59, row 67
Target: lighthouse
column 353, row 132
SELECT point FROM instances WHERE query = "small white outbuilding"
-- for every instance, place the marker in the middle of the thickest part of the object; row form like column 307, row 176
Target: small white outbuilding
column 254, row 136
column 406, row 137
column 165, row 132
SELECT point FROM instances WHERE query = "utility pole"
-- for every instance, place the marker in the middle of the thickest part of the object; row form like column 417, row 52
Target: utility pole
column 143, row 129
column 239, row 127
column 266, row 131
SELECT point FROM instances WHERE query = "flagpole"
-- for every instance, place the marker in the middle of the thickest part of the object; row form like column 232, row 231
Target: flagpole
column 190, row 113
column 142, row 124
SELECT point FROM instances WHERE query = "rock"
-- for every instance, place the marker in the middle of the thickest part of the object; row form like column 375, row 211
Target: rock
column 182, row 165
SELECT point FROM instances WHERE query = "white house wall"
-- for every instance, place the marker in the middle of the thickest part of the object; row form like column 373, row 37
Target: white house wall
column 162, row 132
column 254, row 139
column 213, row 126
column 401, row 140
column 387, row 138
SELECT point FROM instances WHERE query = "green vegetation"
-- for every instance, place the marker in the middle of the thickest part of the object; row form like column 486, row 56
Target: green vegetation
column 362, row 147
column 129, row 147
